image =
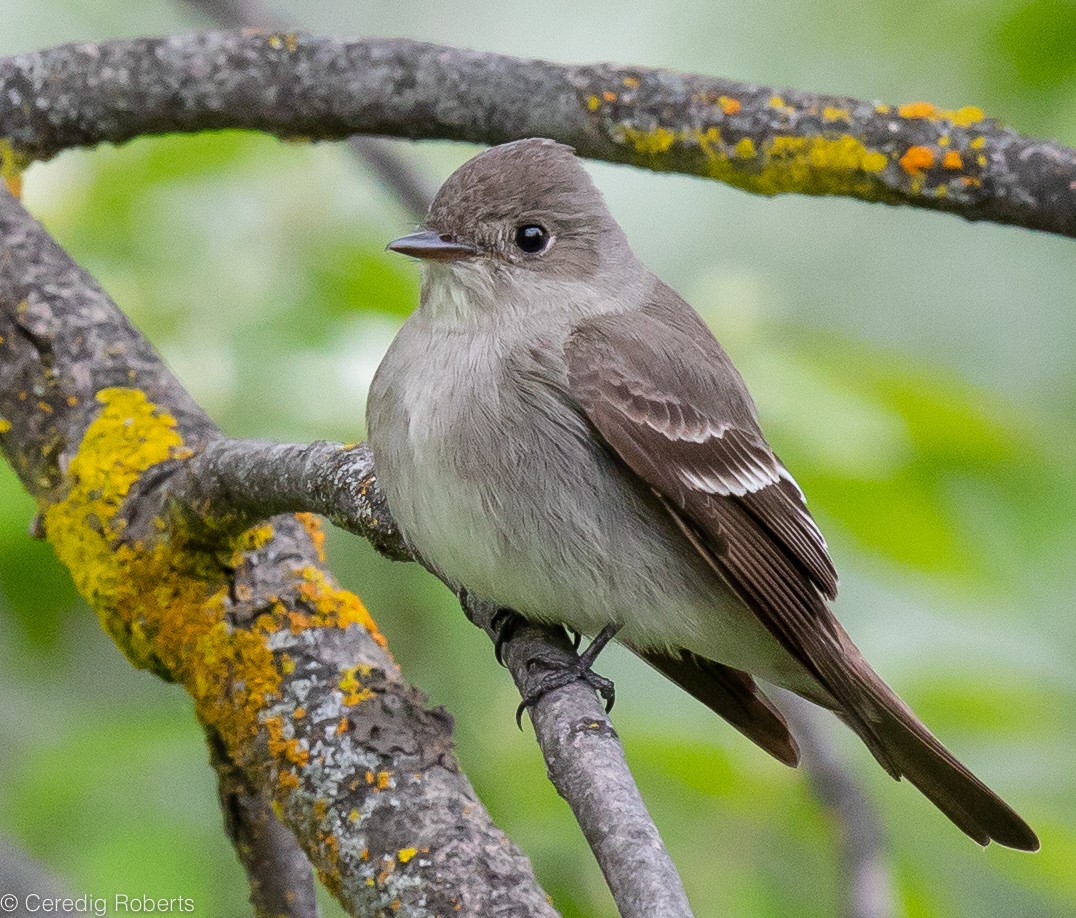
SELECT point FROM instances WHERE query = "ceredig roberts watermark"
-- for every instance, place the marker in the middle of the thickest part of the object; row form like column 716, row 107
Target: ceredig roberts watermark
column 98, row 906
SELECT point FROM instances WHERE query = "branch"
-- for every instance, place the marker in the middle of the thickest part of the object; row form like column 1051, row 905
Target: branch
column 24, row 879
column 406, row 186
column 285, row 667
column 279, row 874
column 254, row 479
column 867, row 879
column 753, row 137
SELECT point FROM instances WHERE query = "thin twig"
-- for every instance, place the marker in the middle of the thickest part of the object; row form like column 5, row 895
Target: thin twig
column 24, row 883
column 867, row 880
column 279, row 873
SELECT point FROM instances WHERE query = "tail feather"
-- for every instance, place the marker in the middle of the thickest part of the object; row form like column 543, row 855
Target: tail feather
column 904, row 746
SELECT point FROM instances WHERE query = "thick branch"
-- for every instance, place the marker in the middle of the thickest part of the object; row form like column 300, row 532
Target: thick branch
column 582, row 751
column 287, row 669
column 750, row 136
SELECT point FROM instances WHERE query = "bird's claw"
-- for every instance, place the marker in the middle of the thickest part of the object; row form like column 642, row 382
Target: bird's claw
column 554, row 679
column 559, row 674
column 504, row 623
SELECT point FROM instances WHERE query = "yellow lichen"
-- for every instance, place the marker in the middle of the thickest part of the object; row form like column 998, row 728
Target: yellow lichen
column 832, row 113
column 12, row 166
column 405, row 854
column 166, row 604
column 653, row 141
column 354, row 691
column 745, row 148
column 332, row 606
column 809, row 165
column 5, row 425
column 287, row 40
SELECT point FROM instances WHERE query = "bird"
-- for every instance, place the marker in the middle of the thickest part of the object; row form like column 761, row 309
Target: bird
column 557, row 432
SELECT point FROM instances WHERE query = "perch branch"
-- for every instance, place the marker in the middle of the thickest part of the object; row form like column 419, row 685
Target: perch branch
column 750, row 136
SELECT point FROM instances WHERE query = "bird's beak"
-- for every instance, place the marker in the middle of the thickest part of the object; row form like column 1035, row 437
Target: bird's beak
column 430, row 244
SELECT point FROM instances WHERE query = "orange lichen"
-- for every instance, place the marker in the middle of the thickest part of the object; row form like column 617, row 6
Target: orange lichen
column 953, row 160
column 609, row 95
column 916, row 159
column 917, row 110
column 729, row 105
column 315, row 530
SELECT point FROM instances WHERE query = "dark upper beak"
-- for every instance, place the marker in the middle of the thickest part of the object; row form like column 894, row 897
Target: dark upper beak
column 429, row 243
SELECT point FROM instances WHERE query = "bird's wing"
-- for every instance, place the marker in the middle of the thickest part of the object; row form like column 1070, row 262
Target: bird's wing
column 663, row 395
column 731, row 693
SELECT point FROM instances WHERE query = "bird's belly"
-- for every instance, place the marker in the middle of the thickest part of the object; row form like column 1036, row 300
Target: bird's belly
column 565, row 554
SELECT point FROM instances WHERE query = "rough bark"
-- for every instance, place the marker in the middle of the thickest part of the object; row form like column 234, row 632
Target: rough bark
column 757, row 138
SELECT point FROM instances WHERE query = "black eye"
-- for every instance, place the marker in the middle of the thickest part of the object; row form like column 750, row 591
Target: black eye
column 532, row 238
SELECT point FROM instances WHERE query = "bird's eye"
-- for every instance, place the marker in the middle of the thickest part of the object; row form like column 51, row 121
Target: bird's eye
column 532, row 238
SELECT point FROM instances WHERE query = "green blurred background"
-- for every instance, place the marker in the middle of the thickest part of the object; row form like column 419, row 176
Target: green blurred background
column 916, row 373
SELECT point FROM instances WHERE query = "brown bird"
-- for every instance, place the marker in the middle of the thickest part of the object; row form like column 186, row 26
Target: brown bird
column 559, row 433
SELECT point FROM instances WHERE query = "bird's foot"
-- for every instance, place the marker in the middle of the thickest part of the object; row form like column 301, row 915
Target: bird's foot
column 558, row 674
column 505, row 623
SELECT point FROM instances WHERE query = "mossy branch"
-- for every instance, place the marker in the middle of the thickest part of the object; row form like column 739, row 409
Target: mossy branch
column 287, row 671
column 754, row 137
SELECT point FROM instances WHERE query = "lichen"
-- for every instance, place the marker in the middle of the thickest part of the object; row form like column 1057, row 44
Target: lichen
column 840, row 164
column 166, row 604
column 12, row 165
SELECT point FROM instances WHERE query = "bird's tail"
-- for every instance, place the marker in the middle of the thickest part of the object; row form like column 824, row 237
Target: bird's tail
column 906, row 748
